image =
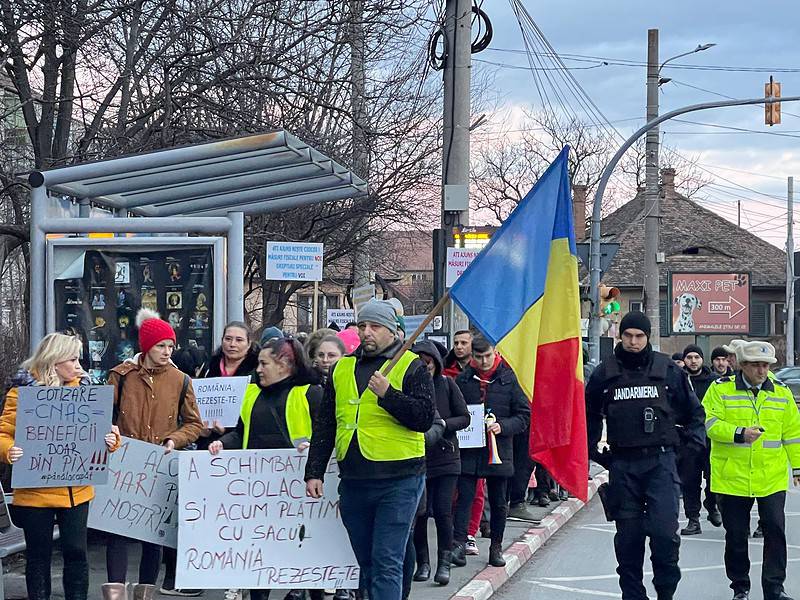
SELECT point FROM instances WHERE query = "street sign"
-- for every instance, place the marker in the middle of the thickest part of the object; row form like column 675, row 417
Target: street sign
column 607, row 252
column 710, row 303
column 294, row 261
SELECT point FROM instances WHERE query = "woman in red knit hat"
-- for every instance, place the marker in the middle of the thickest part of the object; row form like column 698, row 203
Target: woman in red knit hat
column 153, row 402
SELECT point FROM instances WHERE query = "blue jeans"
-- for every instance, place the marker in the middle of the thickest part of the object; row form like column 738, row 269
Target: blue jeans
column 377, row 514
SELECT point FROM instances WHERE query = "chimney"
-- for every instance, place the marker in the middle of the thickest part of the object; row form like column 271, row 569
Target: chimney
column 579, row 211
column 668, row 182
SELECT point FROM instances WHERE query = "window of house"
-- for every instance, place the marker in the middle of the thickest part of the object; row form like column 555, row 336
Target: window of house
column 419, row 277
column 665, row 315
column 635, row 305
column 759, row 319
column 305, row 304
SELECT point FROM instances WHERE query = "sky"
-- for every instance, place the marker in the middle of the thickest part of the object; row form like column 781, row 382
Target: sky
column 753, row 41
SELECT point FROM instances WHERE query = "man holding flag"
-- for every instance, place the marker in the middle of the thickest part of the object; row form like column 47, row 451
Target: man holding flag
column 642, row 395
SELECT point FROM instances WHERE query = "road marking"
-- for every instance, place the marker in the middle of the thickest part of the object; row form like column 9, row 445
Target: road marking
column 563, row 588
column 692, row 538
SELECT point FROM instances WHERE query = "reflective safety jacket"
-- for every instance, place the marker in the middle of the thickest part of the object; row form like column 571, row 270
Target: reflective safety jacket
column 298, row 413
column 761, row 468
column 380, row 436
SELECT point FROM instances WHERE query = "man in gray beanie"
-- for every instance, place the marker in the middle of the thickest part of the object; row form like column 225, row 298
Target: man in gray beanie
column 376, row 424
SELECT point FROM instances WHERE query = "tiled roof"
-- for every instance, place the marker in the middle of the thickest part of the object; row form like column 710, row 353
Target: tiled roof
column 684, row 224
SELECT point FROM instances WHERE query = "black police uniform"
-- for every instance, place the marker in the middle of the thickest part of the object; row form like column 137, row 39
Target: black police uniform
column 642, row 396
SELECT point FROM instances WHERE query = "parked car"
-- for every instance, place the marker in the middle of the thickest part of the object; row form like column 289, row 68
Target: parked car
column 791, row 377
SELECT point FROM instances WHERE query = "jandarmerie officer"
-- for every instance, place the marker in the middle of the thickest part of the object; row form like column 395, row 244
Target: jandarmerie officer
column 642, row 395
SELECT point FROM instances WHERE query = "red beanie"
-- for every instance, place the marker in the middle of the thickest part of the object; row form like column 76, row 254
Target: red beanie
column 152, row 329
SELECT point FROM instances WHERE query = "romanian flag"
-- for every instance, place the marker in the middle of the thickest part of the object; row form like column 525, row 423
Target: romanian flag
column 522, row 293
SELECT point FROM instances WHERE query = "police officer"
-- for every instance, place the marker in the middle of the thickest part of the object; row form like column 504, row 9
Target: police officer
column 754, row 426
column 642, row 395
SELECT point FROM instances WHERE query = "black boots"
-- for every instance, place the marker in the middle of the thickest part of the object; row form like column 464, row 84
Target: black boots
column 496, row 555
column 693, row 527
column 458, row 557
column 423, row 572
column 442, row 576
column 715, row 518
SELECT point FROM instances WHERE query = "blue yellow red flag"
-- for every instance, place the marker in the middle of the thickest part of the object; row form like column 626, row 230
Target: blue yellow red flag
column 522, row 293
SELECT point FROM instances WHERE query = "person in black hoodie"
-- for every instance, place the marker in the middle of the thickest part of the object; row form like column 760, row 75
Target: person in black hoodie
column 489, row 381
column 693, row 462
column 443, row 464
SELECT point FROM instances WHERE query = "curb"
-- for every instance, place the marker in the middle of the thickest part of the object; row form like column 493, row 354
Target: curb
column 488, row 581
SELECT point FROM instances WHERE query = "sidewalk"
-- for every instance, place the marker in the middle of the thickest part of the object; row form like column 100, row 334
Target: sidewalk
column 475, row 581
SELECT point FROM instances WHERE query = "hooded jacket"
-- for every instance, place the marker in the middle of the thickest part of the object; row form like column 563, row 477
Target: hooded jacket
column 701, row 381
column 49, row 497
column 443, row 457
column 147, row 409
column 451, row 367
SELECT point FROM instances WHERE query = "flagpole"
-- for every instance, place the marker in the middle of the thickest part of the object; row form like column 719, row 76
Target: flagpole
column 413, row 337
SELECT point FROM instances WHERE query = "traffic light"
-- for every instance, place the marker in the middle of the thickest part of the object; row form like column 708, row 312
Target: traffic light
column 608, row 300
column 772, row 112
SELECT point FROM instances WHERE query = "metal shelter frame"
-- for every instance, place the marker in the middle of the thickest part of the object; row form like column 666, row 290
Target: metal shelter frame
column 198, row 189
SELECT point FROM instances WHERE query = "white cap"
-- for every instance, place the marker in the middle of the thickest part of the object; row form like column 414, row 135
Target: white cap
column 756, row 351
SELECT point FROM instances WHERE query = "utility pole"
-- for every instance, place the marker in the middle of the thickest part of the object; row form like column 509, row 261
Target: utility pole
column 455, row 150
column 790, row 275
column 360, row 151
column 651, row 297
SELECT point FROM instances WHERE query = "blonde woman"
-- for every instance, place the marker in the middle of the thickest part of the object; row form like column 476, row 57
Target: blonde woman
column 37, row 510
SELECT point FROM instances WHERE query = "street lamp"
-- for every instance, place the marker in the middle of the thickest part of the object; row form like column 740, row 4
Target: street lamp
column 652, row 287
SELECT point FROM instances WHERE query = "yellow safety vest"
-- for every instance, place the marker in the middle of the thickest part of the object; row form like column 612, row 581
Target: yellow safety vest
column 298, row 414
column 380, row 436
column 757, row 469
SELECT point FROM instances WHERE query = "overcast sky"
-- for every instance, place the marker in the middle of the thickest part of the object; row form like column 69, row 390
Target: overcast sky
column 761, row 35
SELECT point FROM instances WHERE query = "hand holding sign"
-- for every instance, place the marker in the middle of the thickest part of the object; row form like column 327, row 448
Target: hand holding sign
column 14, row 453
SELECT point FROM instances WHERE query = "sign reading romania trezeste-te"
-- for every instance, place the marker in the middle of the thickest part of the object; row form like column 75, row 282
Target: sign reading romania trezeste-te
column 710, row 303
column 294, row 261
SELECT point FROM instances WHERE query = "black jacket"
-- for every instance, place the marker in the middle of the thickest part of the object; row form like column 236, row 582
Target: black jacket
column 247, row 368
column 686, row 408
column 443, row 457
column 702, row 381
column 509, row 405
column 268, row 428
column 413, row 407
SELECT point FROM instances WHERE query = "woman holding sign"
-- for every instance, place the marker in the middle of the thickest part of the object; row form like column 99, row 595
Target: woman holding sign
column 443, row 466
column 37, row 510
column 276, row 412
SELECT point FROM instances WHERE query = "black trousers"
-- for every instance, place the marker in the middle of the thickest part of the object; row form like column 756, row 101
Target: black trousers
column 117, row 560
column 736, row 520
column 496, row 492
column 440, row 492
column 643, row 498
column 37, row 525
column 693, row 466
column 523, row 467
column 544, row 483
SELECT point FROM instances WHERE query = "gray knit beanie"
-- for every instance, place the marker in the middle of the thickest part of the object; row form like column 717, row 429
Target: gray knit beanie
column 380, row 312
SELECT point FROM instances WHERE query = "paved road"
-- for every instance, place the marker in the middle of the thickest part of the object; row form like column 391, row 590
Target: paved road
column 578, row 562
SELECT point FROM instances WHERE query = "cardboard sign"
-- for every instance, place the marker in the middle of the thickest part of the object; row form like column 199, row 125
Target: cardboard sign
column 474, row 436
column 710, row 303
column 341, row 316
column 245, row 522
column 220, row 398
column 294, row 261
column 458, row 259
column 414, row 321
column 140, row 500
column 61, row 431
column 362, row 295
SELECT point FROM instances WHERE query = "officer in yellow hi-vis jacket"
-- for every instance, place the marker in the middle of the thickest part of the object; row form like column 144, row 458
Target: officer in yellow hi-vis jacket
column 376, row 423
column 754, row 427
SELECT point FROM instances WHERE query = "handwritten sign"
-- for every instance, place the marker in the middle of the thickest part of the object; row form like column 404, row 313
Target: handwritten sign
column 61, row 431
column 220, row 398
column 294, row 261
column 458, row 259
column 341, row 316
column 140, row 500
column 474, row 436
column 244, row 521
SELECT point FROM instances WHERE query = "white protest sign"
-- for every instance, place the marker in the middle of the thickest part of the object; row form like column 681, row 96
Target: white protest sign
column 245, row 522
column 220, row 398
column 474, row 436
column 140, row 500
column 362, row 295
column 414, row 321
column 295, row 261
column 458, row 259
column 61, row 431
column 341, row 316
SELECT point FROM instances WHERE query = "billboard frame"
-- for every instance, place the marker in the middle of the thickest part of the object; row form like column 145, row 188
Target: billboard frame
column 670, row 301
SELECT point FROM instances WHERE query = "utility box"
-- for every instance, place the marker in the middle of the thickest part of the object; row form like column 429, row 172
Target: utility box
column 456, row 198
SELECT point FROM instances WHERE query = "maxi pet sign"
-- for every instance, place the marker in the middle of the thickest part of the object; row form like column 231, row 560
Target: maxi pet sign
column 710, row 303
column 294, row 261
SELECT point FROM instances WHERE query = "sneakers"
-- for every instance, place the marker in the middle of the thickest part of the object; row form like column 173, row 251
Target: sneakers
column 471, row 547
column 233, row 594
column 168, row 591
column 496, row 555
column 692, row 528
column 520, row 513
